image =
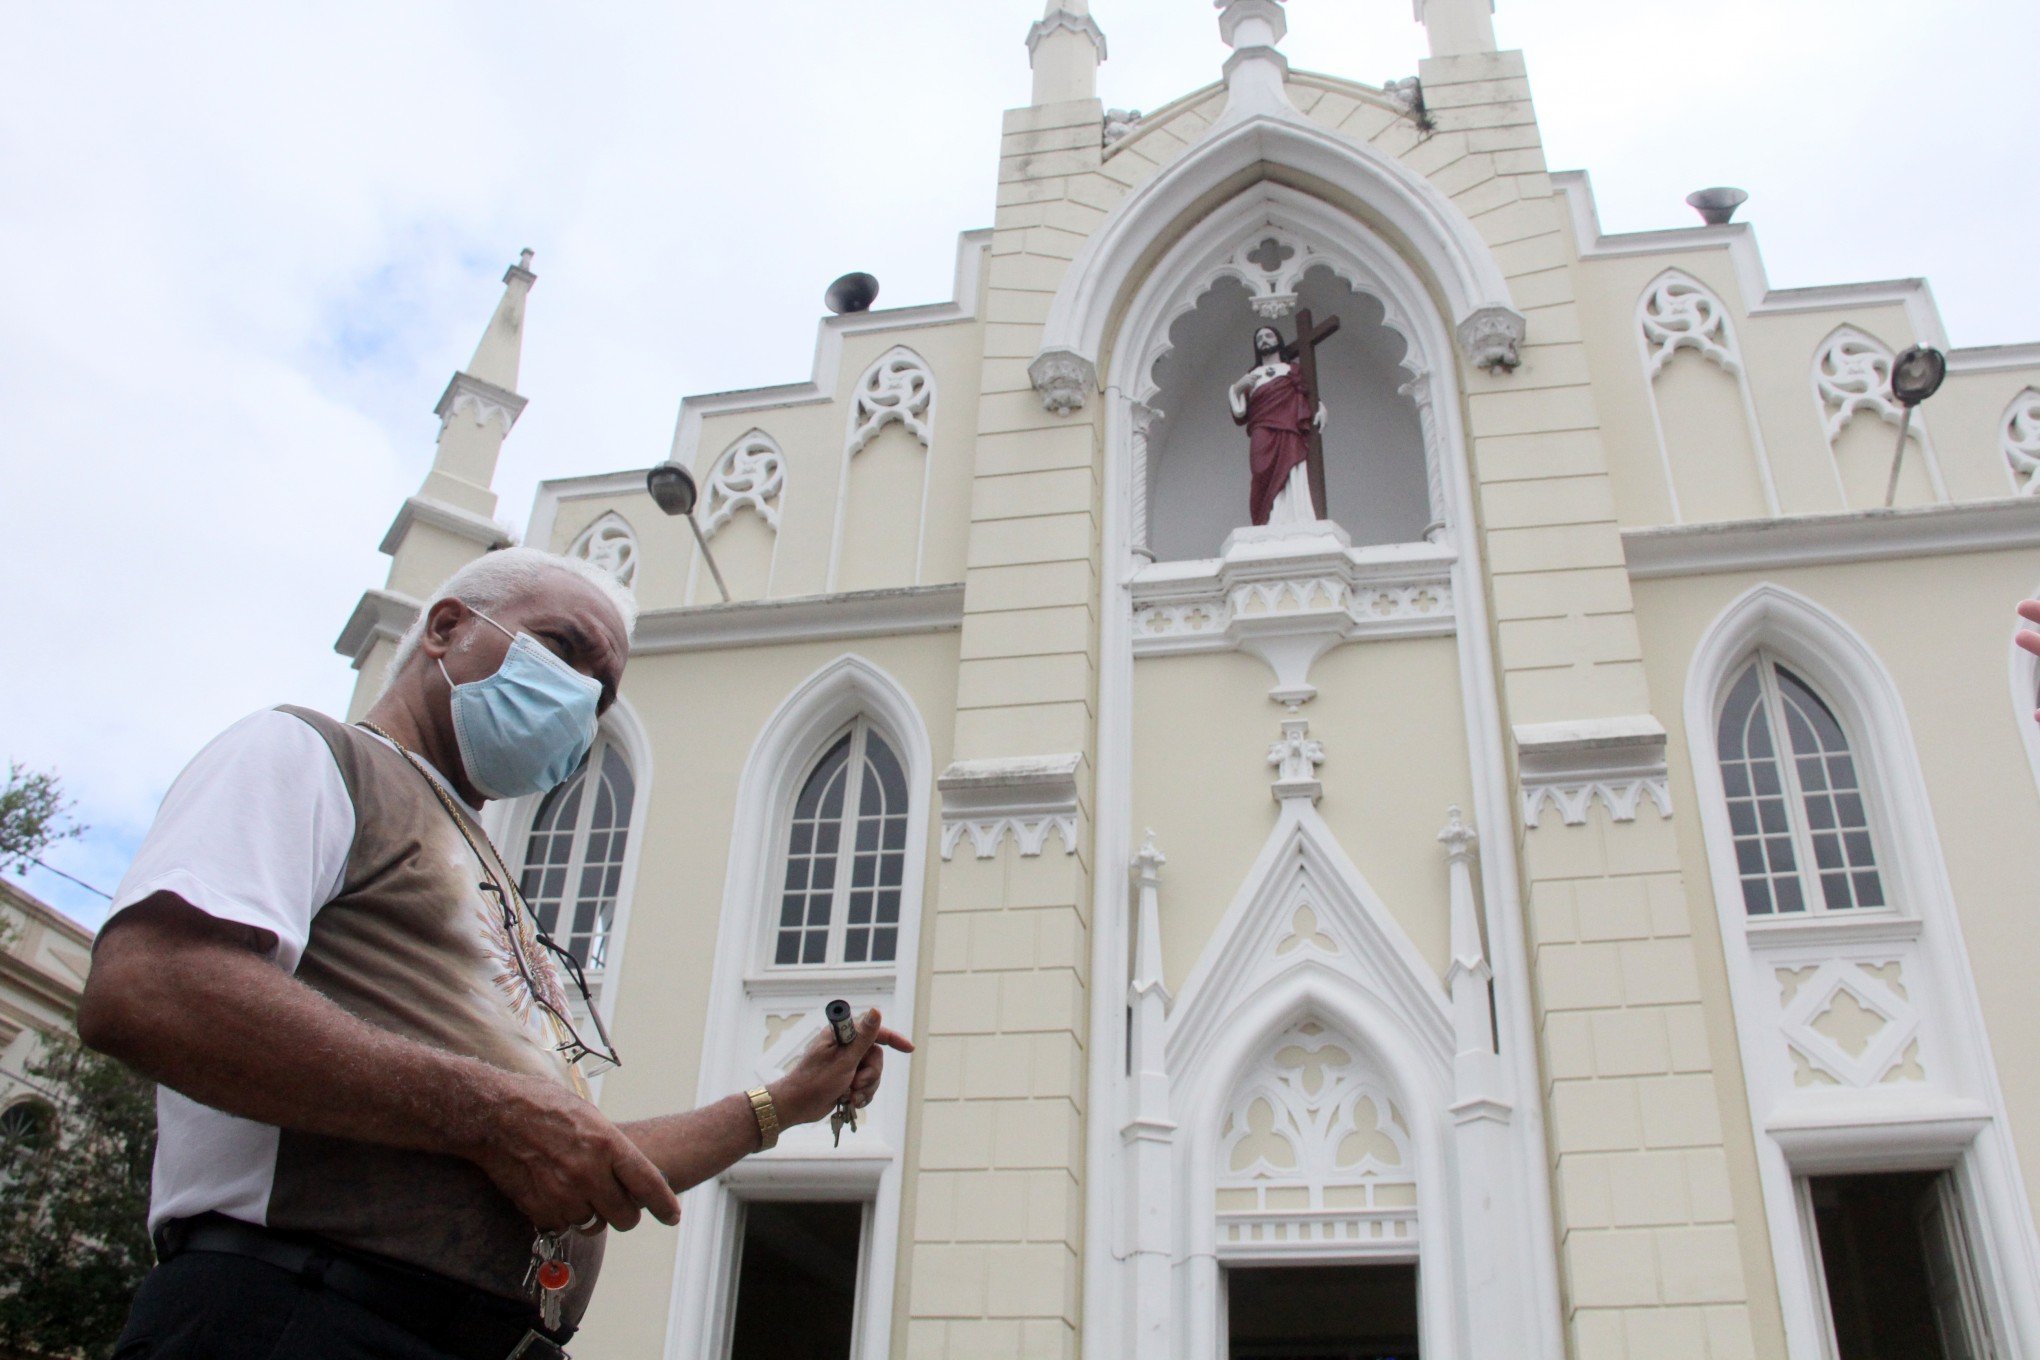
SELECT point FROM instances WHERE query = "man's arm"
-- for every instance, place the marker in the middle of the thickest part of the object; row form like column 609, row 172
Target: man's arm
column 692, row 1147
column 191, row 1001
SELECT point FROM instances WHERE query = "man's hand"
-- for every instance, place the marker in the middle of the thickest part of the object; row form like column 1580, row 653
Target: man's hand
column 2027, row 638
column 828, row 1072
column 560, row 1161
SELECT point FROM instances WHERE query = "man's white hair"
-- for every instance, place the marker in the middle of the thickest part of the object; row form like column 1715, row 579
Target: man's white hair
column 503, row 577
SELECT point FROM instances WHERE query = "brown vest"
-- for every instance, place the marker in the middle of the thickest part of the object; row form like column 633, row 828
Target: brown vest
column 414, row 946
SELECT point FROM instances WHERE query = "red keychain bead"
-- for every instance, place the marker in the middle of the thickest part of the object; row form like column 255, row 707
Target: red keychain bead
column 555, row 1275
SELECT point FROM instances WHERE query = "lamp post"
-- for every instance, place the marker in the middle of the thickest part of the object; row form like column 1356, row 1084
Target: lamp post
column 1916, row 374
column 672, row 488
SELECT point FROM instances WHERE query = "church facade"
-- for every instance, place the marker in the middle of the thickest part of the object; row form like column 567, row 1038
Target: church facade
column 1558, row 897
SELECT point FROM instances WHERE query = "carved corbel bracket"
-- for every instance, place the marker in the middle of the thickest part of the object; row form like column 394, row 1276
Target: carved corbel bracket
column 1064, row 379
column 1491, row 338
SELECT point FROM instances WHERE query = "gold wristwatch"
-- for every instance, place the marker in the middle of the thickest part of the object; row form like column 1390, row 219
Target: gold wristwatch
column 767, row 1115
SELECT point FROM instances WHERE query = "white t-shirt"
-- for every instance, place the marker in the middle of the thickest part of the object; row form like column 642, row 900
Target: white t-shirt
column 256, row 830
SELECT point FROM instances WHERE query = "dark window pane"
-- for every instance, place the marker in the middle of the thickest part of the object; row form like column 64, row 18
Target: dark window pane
column 1756, row 894
column 883, row 943
column 1869, row 890
column 1789, row 897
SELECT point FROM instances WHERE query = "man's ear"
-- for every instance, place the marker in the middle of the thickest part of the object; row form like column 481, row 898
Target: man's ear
column 441, row 623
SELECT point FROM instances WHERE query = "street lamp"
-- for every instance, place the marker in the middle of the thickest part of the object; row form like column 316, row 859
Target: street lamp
column 1916, row 374
column 673, row 490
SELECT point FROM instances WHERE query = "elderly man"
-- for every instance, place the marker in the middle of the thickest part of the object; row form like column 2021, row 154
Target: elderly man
column 374, row 1137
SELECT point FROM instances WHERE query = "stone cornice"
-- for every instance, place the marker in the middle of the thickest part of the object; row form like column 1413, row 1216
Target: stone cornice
column 1815, row 540
column 1571, row 764
column 454, row 520
column 1026, row 796
column 808, row 618
column 485, row 398
column 379, row 614
column 1081, row 24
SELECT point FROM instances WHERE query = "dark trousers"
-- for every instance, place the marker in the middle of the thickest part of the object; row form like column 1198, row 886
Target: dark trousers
column 204, row 1305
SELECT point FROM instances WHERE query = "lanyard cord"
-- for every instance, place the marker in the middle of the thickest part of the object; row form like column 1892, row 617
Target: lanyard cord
column 545, row 939
column 460, row 824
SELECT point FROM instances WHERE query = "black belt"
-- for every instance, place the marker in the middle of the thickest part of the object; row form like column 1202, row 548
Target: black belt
column 465, row 1322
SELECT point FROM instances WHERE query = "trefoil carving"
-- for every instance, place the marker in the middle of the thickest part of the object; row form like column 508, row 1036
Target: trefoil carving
column 751, row 474
column 1678, row 312
column 1852, row 373
column 2020, row 438
column 900, row 386
column 611, row 544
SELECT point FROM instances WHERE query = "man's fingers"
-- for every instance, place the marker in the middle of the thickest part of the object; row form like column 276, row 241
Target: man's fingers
column 2028, row 639
column 2029, row 610
column 644, row 1184
column 893, row 1039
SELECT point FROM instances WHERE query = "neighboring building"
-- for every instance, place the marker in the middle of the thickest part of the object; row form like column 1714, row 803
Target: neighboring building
column 44, row 957
column 1574, row 902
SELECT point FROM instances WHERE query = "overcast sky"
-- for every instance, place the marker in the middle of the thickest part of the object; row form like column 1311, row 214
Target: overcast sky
column 246, row 244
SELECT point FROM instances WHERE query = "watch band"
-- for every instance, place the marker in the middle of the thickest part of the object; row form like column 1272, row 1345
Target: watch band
column 767, row 1115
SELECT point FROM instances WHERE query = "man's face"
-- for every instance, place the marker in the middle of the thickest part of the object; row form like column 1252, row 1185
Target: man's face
column 1266, row 342
column 568, row 616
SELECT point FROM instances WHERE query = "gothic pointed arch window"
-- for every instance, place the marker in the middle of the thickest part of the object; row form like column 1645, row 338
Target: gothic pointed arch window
column 574, row 855
column 1798, row 809
column 844, row 857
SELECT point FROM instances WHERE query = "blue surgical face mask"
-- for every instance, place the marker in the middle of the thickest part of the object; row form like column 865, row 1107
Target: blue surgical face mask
column 528, row 726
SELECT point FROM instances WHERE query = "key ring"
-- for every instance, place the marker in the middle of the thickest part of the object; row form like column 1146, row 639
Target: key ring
column 593, row 1219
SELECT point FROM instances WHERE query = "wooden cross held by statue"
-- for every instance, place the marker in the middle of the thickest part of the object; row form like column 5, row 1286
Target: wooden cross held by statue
column 1308, row 338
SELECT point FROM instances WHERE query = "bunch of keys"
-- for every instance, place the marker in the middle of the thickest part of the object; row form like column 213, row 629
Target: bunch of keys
column 845, row 1029
column 549, row 1276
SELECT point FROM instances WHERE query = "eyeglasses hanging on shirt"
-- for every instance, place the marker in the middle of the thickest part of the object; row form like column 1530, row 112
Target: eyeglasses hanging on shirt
column 590, row 1059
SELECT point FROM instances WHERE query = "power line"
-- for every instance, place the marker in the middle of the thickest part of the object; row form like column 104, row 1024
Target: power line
column 73, row 878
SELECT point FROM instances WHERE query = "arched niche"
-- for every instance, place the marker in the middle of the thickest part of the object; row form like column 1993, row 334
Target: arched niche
column 1376, row 487
column 1387, row 375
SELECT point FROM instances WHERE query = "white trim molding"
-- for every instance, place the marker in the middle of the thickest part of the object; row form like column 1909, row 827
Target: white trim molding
column 1818, row 540
column 1676, row 311
column 482, row 400
column 1916, row 1087
column 807, row 618
column 1571, row 765
column 1109, row 266
column 1083, row 25
column 1289, row 597
column 760, row 1018
column 378, row 615
column 477, row 529
column 1024, row 797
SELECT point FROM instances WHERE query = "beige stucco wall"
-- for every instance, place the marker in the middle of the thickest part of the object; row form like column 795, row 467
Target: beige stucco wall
column 702, row 711
column 1201, row 724
column 880, row 539
column 1713, row 463
column 1941, row 627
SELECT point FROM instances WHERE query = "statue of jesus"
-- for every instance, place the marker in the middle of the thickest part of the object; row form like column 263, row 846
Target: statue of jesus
column 1272, row 402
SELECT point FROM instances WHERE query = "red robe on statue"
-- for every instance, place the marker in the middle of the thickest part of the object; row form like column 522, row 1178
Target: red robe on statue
column 1279, row 420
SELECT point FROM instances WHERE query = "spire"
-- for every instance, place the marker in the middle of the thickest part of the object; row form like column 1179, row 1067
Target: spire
column 1458, row 28
column 502, row 344
column 450, row 522
column 480, row 404
column 1065, row 47
column 1255, row 73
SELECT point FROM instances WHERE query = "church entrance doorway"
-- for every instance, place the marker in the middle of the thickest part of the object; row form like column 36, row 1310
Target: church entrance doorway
column 1322, row 1312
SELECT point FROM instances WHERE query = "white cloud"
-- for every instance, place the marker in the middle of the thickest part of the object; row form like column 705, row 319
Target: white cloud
column 248, row 244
